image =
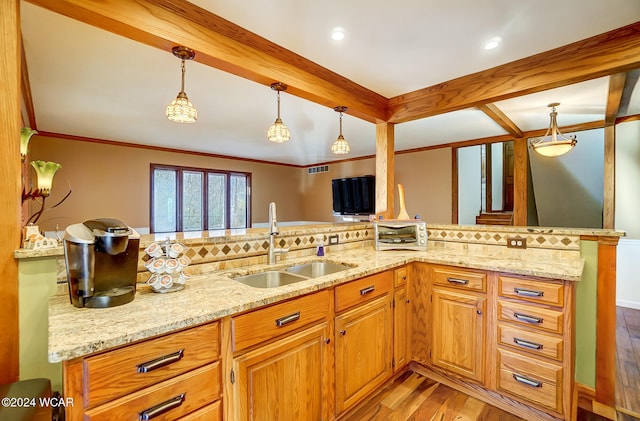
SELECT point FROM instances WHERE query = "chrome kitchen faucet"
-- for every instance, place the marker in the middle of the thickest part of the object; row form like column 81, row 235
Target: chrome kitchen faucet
column 273, row 231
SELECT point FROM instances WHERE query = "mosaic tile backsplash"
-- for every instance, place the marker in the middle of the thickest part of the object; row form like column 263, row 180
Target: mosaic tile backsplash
column 218, row 250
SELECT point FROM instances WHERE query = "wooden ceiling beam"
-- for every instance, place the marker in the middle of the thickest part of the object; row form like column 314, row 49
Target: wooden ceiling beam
column 501, row 118
column 616, row 88
column 612, row 52
column 223, row 45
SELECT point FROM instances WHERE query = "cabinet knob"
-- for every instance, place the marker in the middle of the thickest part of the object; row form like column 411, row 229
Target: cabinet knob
column 343, row 332
column 479, row 311
column 408, row 301
column 327, row 341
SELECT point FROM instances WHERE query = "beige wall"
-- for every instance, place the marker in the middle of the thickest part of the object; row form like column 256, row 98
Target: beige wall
column 113, row 181
column 426, row 177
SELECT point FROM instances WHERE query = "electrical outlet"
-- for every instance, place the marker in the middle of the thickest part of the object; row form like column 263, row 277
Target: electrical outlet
column 334, row 239
column 516, row 243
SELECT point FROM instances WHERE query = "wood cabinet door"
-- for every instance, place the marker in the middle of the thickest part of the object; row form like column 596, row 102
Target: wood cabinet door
column 289, row 379
column 401, row 328
column 364, row 350
column 458, row 332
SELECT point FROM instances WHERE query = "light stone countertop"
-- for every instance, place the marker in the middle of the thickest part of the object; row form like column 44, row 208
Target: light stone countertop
column 76, row 332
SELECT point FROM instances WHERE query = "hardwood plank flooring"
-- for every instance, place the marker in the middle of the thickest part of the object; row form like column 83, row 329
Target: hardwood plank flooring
column 628, row 360
column 413, row 397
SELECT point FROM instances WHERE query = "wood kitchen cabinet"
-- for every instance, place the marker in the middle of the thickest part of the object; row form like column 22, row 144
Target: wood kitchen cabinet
column 165, row 378
column 364, row 337
column 458, row 322
column 401, row 320
column 282, row 366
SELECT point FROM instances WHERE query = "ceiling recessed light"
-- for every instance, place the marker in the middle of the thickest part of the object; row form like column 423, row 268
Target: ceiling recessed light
column 492, row 43
column 337, row 34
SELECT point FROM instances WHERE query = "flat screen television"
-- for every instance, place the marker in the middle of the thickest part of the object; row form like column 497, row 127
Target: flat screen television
column 354, row 196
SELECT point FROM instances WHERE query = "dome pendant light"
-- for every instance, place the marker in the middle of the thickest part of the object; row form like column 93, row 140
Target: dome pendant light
column 340, row 146
column 181, row 110
column 553, row 143
column 278, row 132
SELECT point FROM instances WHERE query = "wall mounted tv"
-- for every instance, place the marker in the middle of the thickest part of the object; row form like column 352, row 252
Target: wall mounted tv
column 354, row 196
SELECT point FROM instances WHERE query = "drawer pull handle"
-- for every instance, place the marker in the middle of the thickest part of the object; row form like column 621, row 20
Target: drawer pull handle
column 527, row 380
column 367, row 290
column 527, row 344
column 287, row 319
column 160, row 362
column 161, row 408
column 458, row 281
column 528, row 292
column 528, row 319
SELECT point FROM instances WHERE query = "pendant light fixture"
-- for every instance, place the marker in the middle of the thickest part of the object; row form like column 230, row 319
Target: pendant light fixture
column 279, row 132
column 181, row 110
column 553, row 143
column 340, row 146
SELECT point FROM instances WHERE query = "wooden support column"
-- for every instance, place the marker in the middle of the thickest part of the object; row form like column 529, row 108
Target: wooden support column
column 606, row 322
column 9, row 187
column 385, row 168
column 608, row 211
column 520, row 181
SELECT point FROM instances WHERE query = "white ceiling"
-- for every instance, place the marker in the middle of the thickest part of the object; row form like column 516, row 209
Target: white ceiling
column 91, row 83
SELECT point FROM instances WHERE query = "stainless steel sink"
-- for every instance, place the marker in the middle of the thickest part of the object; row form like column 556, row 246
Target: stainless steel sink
column 316, row 269
column 291, row 274
column 270, row 279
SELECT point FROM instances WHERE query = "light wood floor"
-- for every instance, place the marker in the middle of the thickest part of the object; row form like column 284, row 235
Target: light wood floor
column 413, row 397
column 628, row 353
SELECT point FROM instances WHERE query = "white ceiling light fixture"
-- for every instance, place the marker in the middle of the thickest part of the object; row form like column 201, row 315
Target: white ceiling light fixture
column 493, row 43
column 553, row 143
column 278, row 132
column 337, row 34
column 340, row 146
column 181, row 110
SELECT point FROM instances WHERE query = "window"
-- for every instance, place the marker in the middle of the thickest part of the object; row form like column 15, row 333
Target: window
column 196, row 199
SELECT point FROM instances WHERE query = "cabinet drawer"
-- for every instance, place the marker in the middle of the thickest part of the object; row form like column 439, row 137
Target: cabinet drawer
column 551, row 293
column 532, row 380
column 267, row 323
column 460, row 278
column 530, row 342
column 117, row 373
column 531, row 316
column 181, row 395
column 211, row 412
column 400, row 276
column 362, row 290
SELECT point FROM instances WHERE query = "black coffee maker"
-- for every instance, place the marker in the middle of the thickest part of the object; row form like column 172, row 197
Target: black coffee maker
column 102, row 262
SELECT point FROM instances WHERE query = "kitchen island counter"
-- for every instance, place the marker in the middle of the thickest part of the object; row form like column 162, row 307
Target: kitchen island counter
column 77, row 332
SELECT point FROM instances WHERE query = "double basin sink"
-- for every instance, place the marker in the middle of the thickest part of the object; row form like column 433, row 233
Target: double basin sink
column 291, row 274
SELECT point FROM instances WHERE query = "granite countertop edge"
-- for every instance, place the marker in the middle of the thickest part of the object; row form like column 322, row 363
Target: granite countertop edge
column 78, row 332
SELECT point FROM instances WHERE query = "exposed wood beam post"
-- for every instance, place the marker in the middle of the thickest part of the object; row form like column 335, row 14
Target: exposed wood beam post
column 606, row 322
column 501, row 118
column 612, row 52
column 616, row 88
column 454, row 185
column 520, row 181
column 385, row 169
column 609, row 195
column 10, row 205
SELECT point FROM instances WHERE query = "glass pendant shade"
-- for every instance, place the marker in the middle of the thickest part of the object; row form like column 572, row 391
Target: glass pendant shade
column 278, row 132
column 181, row 110
column 340, row 146
column 25, row 136
column 45, row 172
column 553, row 143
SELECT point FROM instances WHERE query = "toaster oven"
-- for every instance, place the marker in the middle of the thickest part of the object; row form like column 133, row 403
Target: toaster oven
column 400, row 235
